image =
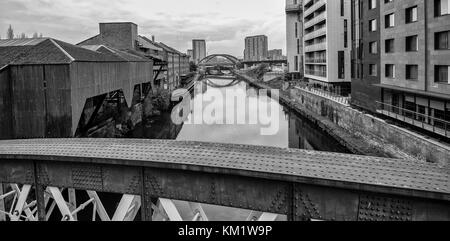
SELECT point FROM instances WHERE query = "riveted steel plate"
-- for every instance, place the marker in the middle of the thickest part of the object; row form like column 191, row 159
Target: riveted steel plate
column 222, row 190
column 124, row 180
column 379, row 208
column 391, row 176
column 322, row 203
column 12, row 172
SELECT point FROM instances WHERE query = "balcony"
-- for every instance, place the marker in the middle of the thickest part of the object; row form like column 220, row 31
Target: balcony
column 314, row 34
column 314, row 7
column 293, row 8
column 316, row 47
column 317, row 19
column 316, row 61
column 429, row 123
column 316, row 73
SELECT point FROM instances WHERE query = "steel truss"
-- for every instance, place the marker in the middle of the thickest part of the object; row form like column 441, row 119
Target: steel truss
column 23, row 207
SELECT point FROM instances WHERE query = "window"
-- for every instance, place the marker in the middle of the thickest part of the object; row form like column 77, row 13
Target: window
column 411, row 14
column 342, row 8
column 441, row 40
column 390, row 71
column 441, row 7
column 411, row 44
column 388, row 1
column 441, row 74
column 341, row 65
column 412, row 72
column 372, row 4
column 373, row 25
column 389, row 46
column 372, row 69
column 298, row 46
column 373, row 47
column 296, row 29
column 389, row 21
column 345, row 33
column 296, row 63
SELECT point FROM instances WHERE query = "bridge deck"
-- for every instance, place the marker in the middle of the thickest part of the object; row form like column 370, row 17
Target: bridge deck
column 393, row 176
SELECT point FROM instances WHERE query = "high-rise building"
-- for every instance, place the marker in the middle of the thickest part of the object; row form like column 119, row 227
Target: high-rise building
column 199, row 50
column 366, row 52
column 190, row 53
column 256, row 48
column 294, row 36
column 275, row 54
column 327, row 44
column 415, row 63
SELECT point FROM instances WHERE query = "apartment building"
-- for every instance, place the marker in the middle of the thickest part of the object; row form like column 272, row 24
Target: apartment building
column 199, row 50
column 294, row 36
column 415, row 60
column 275, row 54
column 256, row 48
column 365, row 54
column 327, row 44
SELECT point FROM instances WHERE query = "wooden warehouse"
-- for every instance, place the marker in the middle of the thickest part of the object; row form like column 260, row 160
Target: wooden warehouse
column 44, row 84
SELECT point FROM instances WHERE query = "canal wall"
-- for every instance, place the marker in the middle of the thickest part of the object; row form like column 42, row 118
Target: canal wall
column 361, row 133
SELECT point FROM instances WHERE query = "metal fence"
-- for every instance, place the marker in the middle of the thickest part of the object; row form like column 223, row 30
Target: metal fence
column 430, row 123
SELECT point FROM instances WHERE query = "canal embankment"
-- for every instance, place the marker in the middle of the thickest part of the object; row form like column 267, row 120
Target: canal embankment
column 360, row 132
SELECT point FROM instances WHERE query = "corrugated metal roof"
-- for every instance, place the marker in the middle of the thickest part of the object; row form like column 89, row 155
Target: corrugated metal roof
column 21, row 42
column 147, row 43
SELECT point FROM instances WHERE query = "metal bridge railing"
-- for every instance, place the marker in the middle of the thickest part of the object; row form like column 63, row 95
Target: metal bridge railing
column 430, row 123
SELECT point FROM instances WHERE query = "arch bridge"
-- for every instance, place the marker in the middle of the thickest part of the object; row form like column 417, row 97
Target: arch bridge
column 42, row 175
column 212, row 66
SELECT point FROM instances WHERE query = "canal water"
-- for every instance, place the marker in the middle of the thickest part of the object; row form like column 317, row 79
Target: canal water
column 291, row 130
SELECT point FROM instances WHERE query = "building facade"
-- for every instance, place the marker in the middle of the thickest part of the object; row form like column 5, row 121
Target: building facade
column 169, row 64
column 365, row 54
column 199, row 50
column 415, row 62
column 275, row 54
column 190, row 53
column 327, row 44
column 256, row 48
column 294, row 36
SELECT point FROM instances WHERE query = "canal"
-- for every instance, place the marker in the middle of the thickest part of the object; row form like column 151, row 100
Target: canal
column 291, row 130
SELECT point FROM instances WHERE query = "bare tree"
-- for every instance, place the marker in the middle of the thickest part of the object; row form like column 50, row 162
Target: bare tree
column 10, row 33
column 23, row 35
column 35, row 35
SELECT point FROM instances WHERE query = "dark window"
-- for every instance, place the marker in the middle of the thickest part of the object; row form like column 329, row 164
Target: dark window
column 441, row 74
column 341, row 65
column 345, row 33
column 411, row 14
column 389, row 46
column 390, row 71
column 411, row 43
column 389, row 20
column 412, row 72
column 441, row 7
column 441, row 40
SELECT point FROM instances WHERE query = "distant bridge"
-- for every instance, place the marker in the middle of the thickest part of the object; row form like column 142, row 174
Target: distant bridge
column 303, row 185
column 213, row 67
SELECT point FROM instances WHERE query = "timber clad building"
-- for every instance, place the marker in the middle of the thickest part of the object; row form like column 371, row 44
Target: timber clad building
column 170, row 64
column 45, row 84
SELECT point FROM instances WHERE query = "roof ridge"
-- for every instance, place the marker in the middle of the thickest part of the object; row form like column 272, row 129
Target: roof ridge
column 62, row 50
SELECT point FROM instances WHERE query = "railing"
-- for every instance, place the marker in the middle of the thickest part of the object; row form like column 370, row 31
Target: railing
column 426, row 122
column 328, row 95
column 320, row 61
column 316, row 73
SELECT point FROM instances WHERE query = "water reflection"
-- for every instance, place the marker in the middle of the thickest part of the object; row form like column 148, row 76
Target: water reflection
column 294, row 131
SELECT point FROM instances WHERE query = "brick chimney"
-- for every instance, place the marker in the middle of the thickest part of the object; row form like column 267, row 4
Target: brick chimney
column 119, row 35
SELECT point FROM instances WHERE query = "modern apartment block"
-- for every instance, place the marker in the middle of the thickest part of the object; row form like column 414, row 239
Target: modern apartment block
column 365, row 54
column 327, row 44
column 256, row 48
column 294, row 36
column 415, row 62
column 275, row 54
column 199, row 50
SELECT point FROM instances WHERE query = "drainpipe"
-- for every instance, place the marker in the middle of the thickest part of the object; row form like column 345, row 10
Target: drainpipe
column 426, row 43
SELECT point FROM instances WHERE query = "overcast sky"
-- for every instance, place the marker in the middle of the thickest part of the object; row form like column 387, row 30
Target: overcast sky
column 223, row 23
